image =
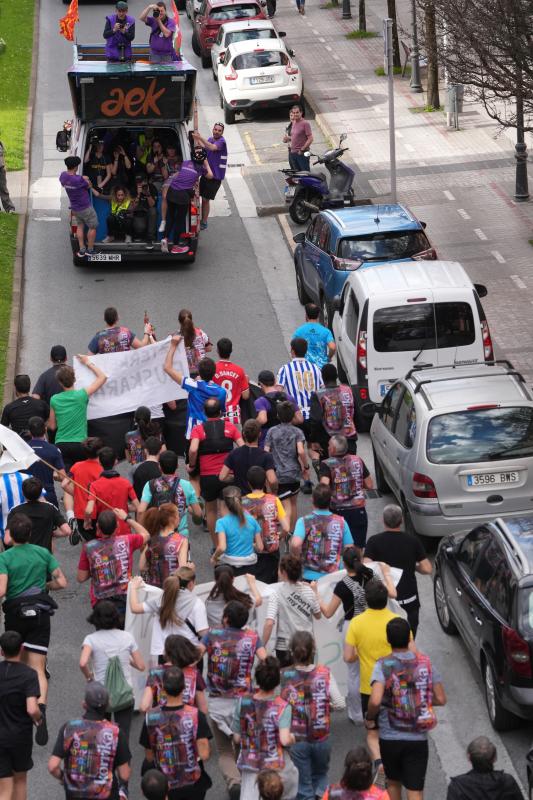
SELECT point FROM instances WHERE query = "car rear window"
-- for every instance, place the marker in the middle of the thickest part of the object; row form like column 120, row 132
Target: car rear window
column 244, row 36
column 226, row 13
column 259, row 60
column 481, row 435
column 384, row 246
column 423, row 326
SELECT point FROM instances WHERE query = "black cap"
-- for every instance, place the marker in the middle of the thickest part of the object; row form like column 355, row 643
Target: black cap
column 58, row 353
column 96, row 696
column 72, row 161
column 266, row 377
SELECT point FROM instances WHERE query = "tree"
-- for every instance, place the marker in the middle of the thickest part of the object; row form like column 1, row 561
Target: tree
column 362, row 15
column 433, row 98
column 391, row 11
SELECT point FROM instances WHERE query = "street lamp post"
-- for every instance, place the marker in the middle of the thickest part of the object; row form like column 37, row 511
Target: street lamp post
column 415, row 83
column 521, row 191
column 346, row 10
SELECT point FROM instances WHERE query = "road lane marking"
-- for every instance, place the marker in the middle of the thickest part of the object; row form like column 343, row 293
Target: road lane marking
column 462, row 213
column 315, row 31
column 328, row 48
column 480, row 234
column 498, row 256
column 248, row 139
column 286, row 228
column 321, row 40
column 518, row 282
column 369, row 97
column 336, row 57
column 448, row 194
column 351, row 77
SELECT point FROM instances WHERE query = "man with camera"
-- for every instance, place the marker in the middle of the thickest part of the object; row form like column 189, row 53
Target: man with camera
column 119, row 32
column 144, row 209
column 163, row 28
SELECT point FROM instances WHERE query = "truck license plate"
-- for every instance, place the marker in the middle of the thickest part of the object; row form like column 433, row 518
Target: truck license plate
column 106, row 257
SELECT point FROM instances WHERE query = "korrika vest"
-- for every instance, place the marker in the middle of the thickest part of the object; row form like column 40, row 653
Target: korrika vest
column 172, row 736
column 162, row 558
column 135, row 445
column 155, row 682
column 91, row 746
column 167, row 489
column 259, row 728
column 308, row 694
column 322, row 546
column 109, row 565
column 215, row 441
column 337, row 410
column 337, row 792
column 408, row 693
column 114, row 340
column 346, row 481
column 265, row 511
column 230, row 658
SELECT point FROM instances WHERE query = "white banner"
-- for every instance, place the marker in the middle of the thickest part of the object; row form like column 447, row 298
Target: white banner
column 134, row 378
column 327, row 632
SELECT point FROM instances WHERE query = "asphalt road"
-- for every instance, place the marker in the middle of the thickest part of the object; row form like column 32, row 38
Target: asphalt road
column 241, row 286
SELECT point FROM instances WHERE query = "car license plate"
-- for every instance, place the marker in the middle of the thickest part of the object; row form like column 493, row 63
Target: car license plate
column 106, row 257
column 262, row 79
column 492, row 478
column 289, row 191
column 384, row 387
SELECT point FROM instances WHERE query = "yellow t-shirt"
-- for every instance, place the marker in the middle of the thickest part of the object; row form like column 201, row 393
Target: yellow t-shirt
column 368, row 634
column 279, row 505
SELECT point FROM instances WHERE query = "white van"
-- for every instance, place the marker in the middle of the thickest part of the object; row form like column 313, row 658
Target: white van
column 391, row 317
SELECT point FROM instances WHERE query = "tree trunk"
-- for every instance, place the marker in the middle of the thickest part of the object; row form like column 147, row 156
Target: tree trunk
column 432, row 56
column 362, row 15
column 391, row 10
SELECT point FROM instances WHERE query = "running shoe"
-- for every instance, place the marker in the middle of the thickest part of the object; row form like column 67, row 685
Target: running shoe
column 178, row 249
column 82, row 252
column 162, row 226
column 128, row 239
column 164, row 245
column 74, row 536
column 203, row 226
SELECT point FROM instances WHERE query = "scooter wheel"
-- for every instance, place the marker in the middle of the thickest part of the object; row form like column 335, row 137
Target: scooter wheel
column 298, row 212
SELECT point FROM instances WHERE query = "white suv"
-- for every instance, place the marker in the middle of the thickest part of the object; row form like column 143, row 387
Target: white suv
column 455, row 445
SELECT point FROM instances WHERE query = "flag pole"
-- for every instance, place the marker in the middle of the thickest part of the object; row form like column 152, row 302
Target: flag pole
column 84, row 488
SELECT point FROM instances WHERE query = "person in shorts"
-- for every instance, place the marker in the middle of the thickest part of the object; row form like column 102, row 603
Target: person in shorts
column 287, row 445
column 19, row 711
column 77, row 188
column 217, row 158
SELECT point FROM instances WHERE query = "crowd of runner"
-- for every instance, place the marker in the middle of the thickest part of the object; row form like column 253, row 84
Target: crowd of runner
column 239, row 665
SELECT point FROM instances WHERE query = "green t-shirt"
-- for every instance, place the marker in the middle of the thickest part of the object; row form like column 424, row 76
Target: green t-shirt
column 71, row 415
column 26, row 565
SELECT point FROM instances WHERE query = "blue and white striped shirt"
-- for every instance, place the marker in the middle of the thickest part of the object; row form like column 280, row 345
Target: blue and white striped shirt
column 301, row 378
column 10, row 496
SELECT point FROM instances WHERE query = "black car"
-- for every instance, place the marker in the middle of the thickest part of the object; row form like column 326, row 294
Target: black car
column 483, row 589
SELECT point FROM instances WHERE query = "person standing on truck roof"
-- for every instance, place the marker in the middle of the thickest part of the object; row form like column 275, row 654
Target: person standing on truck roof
column 217, row 158
column 77, row 189
column 119, row 33
column 161, row 38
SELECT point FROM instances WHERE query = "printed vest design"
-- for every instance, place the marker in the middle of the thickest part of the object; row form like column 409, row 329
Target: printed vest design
column 337, row 792
column 196, row 351
column 337, row 410
column 260, row 743
column 215, row 441
column 135, row 446
column 109, row 564
column 114, row 340
column 155, row 682
column 162, row 558
column 230, row 658
column 308, row 694
column 112, row 48
column 91, row 746
column 322, row 546
column 346, row 482
column 408, row 693
column 172, row 736
column 168, row 490
column 265, row 511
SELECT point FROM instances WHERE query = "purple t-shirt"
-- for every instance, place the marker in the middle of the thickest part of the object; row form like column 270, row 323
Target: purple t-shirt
column 163, row 45
column 187, row 176
column 217, row 159
column 77, row 191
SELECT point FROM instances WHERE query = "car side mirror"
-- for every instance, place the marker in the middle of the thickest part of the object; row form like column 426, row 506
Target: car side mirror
column 424, row 224
column 299, row 238
column 221, row 56
column 337, row 303
column 481, row 289
column 281, row 34
column 291, row 52
column 343, row 136
column 369, row 409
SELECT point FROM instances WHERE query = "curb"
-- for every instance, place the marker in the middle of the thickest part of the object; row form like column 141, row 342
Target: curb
column 271, row 210
column 15, row 321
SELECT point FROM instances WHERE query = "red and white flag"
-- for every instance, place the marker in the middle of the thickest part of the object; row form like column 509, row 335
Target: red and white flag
column 177, row 35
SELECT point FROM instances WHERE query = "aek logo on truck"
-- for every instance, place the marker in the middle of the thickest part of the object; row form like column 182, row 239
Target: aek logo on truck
column 133, row 102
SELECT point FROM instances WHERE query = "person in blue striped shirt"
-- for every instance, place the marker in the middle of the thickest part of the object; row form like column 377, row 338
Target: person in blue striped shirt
column 10, row 496
column 300, row 378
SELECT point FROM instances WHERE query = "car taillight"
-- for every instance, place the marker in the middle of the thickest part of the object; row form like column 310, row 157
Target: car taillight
column 488, row 350
column 363, row 394
column 231, row 75
column 194, row 220
column 426, row 255
column 517, row 653
column 345, row 264
column 423, row 486
column 290, row 69
column 361, row 350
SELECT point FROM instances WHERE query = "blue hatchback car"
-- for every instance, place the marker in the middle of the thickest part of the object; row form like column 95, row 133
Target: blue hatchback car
column 338, row 241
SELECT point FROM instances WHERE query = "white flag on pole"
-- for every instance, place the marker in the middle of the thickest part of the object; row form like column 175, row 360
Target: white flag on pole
column 15, row 454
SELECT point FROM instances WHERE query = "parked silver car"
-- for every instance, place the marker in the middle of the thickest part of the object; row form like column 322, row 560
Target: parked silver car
column 455, row 445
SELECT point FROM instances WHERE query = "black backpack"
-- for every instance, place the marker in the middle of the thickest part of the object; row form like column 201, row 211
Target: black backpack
column 274, row 398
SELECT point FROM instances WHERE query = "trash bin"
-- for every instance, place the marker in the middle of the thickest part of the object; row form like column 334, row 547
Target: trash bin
column 454, row 94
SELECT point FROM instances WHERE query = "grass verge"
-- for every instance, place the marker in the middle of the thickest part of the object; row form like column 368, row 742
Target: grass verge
column 15, row 70
column 361, row 35
column 8, row 241
column 380, row 72
column 425, row 109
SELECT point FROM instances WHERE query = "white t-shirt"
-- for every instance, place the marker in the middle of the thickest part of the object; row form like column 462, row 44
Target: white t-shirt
column 106, row 644
column 188, row 607
column 293, row 605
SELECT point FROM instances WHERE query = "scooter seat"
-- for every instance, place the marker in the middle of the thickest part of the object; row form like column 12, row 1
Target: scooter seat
column 314, row 173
